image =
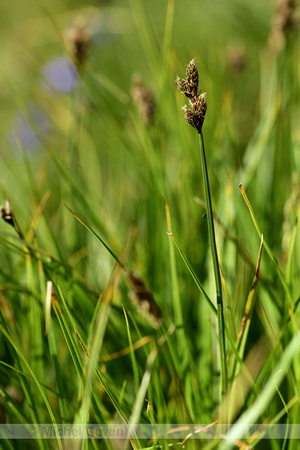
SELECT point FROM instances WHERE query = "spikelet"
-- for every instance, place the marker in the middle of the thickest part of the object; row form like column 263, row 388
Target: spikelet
column 78, row 41
column 9, row 217
column 284, row 22
column 143, row 99
column 194, row 115
column 143, row 299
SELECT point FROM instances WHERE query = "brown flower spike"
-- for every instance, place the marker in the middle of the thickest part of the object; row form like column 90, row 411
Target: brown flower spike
column 189, row 87
column 143, row 99
column 78, row 41
column 9, row 217
column 284, row 23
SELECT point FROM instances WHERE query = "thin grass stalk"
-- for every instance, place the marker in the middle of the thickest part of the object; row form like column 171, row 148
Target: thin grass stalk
column 212, row 238
column 140, row 397
column 135, row 370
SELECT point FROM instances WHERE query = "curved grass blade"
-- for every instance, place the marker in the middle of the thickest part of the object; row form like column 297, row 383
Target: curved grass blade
column 246, row 320
column 141, row 294
column 97, row 237
column 286, row 410
column 96, row 345
column 278, row 269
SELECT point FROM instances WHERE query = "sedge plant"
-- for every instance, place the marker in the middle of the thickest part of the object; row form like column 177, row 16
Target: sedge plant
column 195, row 116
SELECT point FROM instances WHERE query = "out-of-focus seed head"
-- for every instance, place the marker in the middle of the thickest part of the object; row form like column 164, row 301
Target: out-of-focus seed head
column 6, row 214
column 143, row 299
column 236, row 59
column 78, row 41
column 143, row 99
column 284, row 23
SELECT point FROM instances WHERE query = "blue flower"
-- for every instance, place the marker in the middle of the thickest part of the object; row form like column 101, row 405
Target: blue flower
column 60, row 74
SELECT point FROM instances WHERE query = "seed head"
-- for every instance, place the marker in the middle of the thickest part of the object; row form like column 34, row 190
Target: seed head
column 284, row 23
column 7, row 214
column 143, row 299
column 192, row 78
column 189, row 87
column 143, row 99
column 182, row 86
column 78, row 41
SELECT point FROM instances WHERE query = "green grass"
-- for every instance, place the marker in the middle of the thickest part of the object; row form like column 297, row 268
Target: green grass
column 110, row 210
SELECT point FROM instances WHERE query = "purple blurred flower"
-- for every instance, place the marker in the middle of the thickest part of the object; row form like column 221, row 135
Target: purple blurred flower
column 60, row 74
column 30, row 131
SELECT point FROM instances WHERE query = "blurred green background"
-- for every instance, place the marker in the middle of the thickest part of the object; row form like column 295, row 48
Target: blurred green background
column 73, row 134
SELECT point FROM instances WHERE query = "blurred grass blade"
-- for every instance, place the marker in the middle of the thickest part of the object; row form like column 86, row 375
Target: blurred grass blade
column 278, row 269
column 72, row 347
column 37, row 383
column 201, row 289
column 141, row 294
column 76, row 186
column 194, row 276
column 109, row 85
column 141, row 395
column 50, row 333
column 166, row 60
column 132, row 355
column 96, row 345
column 286, row 410
column 146, row 34
column 246, row 320
column 293, row 264
column 96, row 236
column 181, row 338
column 75, row 353
column 260, row 405
column 258, row 145
column 127, row 350
column 230, row 325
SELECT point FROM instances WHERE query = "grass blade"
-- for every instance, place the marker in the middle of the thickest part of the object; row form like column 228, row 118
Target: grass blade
column 182, row 343
column 246, row 320
column 253, row 413
column 278, row 269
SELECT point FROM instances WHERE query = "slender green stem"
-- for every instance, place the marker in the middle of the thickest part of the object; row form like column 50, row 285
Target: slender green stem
column 212, row 238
